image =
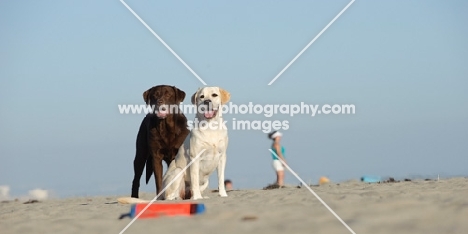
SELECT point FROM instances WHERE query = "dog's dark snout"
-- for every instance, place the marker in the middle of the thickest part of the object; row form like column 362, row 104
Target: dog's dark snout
column 207, row 102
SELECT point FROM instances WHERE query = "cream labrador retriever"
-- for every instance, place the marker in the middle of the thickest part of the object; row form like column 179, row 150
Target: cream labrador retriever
column 209, row 139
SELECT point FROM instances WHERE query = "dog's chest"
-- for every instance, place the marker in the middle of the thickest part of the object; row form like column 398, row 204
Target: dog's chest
column 163, row 133
column 211, row 158
column 213, row 151
column 213, row 144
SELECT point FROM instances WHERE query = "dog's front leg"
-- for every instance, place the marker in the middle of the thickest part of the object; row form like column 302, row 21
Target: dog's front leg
column 158, row 169
column 221, row 167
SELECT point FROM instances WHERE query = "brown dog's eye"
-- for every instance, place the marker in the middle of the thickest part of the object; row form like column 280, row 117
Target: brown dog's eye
column 202, row 96
column 214, row 95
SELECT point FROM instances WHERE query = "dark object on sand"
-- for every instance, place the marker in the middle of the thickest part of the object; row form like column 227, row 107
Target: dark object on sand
column 407, row 180
column 31, row 201
column 391, row 180
column 122, row 216
column 273, row 186
column 249, row 218
column 160, row 136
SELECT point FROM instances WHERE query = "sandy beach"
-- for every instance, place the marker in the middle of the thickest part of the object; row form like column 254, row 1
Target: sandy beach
column 405, row 207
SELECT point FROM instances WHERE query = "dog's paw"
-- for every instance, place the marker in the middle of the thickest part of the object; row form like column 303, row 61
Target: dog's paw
column 223, row 194
column 171, row 197
column 197, row 198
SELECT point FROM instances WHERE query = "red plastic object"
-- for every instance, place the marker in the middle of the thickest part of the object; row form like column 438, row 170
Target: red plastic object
column 167, row 209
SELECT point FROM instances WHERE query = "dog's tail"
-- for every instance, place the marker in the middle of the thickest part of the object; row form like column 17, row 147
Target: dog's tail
column 149, row 168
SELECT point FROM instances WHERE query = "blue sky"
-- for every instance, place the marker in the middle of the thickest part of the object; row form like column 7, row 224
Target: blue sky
column 66, row 65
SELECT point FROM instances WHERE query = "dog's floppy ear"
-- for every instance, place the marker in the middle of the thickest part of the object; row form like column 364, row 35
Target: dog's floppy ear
column 146, row 96
column 179, row 95
column 225, row 96
column 194, row 97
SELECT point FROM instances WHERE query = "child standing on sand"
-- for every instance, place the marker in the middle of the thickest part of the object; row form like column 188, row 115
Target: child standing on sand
column 279, row 151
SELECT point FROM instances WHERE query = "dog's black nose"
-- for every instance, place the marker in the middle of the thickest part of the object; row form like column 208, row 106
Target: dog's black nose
column 207, row 102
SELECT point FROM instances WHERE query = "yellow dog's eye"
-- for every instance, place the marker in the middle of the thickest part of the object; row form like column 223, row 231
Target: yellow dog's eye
column 214, row 95
column 202, row 96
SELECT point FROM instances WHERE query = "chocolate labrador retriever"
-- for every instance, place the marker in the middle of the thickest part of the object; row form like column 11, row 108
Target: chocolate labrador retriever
column 161, row 134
